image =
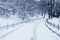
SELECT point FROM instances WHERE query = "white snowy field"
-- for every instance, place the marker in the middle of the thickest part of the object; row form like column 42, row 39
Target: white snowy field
column 15, row 19
column 35, row 30
column 8, row 21
column 54, row 20
column 55, row 26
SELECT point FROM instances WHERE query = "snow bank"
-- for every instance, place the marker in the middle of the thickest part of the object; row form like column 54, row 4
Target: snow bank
column 52, row 25
column 55, row 21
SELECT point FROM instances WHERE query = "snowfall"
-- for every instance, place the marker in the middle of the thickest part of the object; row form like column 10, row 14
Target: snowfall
column 35, row 29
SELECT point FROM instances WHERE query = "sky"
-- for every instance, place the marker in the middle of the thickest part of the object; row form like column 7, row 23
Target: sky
column 37, row 0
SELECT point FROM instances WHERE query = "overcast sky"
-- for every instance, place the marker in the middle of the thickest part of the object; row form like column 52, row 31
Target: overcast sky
column 36, row 0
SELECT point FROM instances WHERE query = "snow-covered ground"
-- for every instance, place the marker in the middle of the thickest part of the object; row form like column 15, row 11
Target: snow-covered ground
column 5, row 21
column 54, row 20
column 54, row 24
column 35, row 30
column 15, row 19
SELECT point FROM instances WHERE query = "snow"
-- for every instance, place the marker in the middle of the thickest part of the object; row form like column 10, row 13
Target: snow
column 55, row 20
column 34, row 30
column 54, row 26
column 11, row 20
column 43, row 33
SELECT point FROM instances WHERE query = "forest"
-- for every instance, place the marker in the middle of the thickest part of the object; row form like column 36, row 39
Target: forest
column 29, row 8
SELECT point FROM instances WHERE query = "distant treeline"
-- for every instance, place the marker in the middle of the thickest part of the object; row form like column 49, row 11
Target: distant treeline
column 24, row 8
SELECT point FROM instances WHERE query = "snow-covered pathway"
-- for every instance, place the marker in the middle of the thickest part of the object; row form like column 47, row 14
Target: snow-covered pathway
column 23, row 33
column 35, row 30
column 43, row 33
